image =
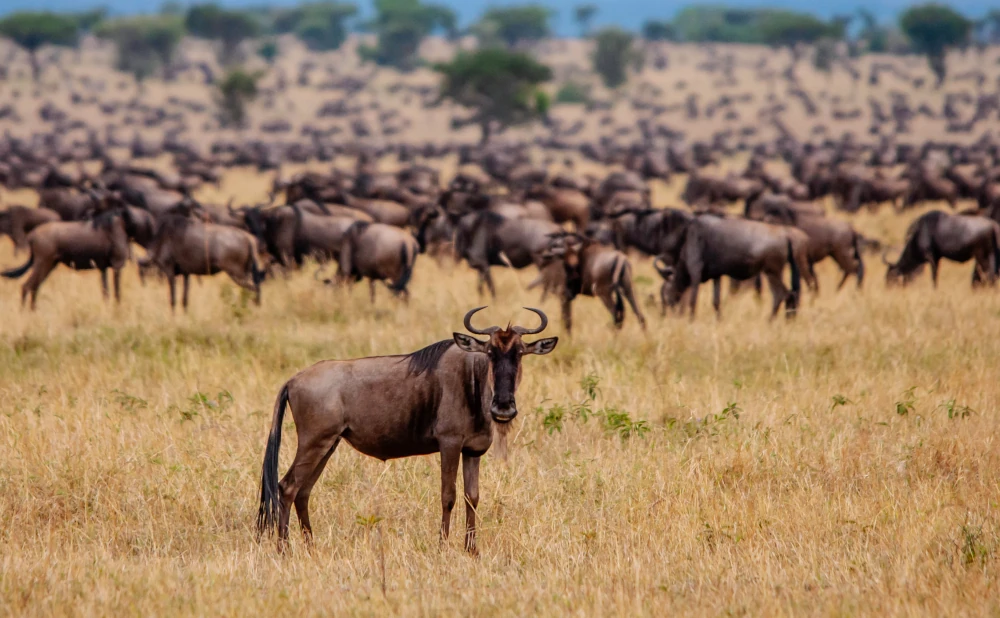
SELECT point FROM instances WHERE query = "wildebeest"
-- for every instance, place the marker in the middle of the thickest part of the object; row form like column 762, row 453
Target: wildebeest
column 185, row 245
column 487, row 239
column 958, row 238
column 100, row 243
column 378, row 252
column 827, row 237
column 591, row 269
column 713, row 247
column 18, row 221
column 449, row 397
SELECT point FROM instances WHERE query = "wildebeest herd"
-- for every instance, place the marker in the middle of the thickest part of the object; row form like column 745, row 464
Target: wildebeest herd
column 502, row 210
column 512, row 204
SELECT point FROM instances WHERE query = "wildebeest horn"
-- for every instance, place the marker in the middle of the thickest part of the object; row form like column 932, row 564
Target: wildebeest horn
column 521, row 330
column 472, row 329
column 884, row 253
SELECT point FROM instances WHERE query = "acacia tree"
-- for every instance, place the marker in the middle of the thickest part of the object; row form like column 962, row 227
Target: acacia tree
column 234, row 92
column 933, row 29
column 320, row 25
column 614, row 54
column 401, row 25
column 514, row 25
column 145, row 43
column 499, row 85
column 584, row 14
column 230, row 28
column 31, row 30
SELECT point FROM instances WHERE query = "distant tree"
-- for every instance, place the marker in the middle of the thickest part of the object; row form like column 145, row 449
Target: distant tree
column 235, row 91
column 584, row 14
column 320, row 25
column 614, row 54
column 88, row 20
column 401, row 25
column 32, row 30
column 500, row 85
column 230, row 28
column 514, row 25
column 172, row 7
column 786, row 29
column 988, row 28
column 573, row 92
column 874, row 36
column 144, row 43
column 933, row 29
column 653, row 30
column 268, row 51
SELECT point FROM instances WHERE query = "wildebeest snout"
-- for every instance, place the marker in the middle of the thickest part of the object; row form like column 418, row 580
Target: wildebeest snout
column 503, row 409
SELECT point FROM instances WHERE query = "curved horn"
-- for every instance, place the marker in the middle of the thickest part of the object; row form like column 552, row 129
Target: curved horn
column 521, row 330
column 472, row 329
column 885, row 261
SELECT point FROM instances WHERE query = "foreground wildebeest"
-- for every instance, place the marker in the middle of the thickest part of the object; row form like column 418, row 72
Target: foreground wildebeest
column 186, row 245
column 18, row 221
column 100, row 243
column 592, row 269
column 713, row 247
column 449, row 398
column 958, row 238
column 378, row 252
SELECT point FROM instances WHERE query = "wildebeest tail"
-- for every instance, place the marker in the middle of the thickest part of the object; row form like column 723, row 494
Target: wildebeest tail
column 860, row 272
column 621, row 270
column 407, row 258
column 796, row 275
column 257, row 274
column 270, row 493
column 15, row 273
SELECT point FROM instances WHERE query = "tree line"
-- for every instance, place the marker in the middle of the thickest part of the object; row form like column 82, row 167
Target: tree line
column 499, row 81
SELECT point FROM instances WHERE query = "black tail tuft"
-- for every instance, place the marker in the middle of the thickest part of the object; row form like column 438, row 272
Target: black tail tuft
column 792, row 304
column 270, row 492
column 404, row 279
column 16, row 273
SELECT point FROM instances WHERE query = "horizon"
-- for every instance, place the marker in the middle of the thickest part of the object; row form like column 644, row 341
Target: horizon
column 629, row 14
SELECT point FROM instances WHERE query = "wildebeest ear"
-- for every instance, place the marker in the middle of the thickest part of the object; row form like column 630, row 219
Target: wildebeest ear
column 469, row 344
column 542, row 346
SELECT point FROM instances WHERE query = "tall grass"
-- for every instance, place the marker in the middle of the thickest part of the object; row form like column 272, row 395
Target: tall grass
column 840, row 463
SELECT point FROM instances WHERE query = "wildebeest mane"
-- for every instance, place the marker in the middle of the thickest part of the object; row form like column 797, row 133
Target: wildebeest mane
column 427, row 359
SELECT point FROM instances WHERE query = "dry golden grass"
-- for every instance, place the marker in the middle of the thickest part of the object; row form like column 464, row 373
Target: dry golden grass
column 842, row 463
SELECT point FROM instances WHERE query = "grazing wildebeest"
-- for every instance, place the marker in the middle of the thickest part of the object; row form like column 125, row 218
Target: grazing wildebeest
column 449, row 397
column 18, row 221
column 592, row 269
column 100, row 243
column 186, row 245
column 378, row 252
column 713, row 247
column 958, row 238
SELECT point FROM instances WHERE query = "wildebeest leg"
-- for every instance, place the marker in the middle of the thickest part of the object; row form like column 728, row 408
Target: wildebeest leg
column 40, row 271
column 812, row 281
column 934, row 272
column 628, row 293
column 172, row 282
column 567, row 314
column 302, row 498
column 104, row 283
column 612, row 301
column 470, row 485
column 695, row 275
column 116, row 277
column 717, row 296
column 187, row 286
column 311, row 454
column 779, row 293
column 450, row 454
column 487, row 278
column 371, row 290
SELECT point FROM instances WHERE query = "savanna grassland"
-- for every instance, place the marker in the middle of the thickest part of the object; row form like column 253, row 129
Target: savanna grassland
column 841, row 463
